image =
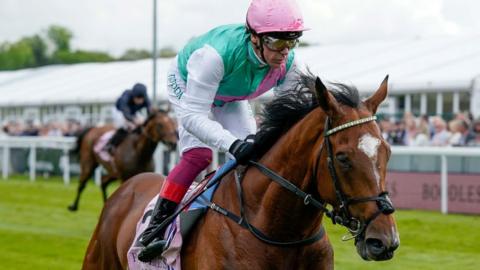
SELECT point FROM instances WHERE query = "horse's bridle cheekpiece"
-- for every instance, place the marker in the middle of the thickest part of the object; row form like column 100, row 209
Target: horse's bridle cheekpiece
column 341, row 215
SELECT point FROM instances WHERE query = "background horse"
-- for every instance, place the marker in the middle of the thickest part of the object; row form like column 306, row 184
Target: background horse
column 134, row 155
column 301, row 134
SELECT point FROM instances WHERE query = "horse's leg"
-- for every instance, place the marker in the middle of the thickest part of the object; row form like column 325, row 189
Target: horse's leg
column 87, row 168
column 106, row 180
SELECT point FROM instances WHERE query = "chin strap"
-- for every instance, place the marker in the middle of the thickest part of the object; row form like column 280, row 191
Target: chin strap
column 260, row 48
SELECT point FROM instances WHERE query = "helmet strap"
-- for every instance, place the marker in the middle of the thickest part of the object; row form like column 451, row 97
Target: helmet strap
column 259, row 47
column 261, row 50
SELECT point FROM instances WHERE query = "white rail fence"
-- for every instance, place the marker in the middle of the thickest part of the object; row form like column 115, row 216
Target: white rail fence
column 164, row 160
column 33, row 143
column 67, row 143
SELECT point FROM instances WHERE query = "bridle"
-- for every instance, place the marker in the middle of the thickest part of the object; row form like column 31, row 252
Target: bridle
column 339, row 215
column 342, row 215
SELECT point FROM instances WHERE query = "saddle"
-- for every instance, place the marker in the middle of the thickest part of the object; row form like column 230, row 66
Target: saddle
column 100, row 146
column 178, row 230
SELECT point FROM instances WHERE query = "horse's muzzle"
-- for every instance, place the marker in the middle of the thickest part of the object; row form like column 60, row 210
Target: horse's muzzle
column 373, row 249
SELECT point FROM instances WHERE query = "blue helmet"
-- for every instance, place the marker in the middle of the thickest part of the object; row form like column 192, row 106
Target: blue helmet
column 139, row 90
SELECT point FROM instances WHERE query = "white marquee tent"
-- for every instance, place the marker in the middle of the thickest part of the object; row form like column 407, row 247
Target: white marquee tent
column 414, row 65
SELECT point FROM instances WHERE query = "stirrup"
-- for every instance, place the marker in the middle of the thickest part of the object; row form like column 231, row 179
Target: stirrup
column 154, row 249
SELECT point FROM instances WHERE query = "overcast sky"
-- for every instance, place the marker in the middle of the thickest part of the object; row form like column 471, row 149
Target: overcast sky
column 115, row 25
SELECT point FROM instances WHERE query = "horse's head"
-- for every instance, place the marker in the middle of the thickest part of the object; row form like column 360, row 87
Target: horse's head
column 355, row 155
column 159, row 126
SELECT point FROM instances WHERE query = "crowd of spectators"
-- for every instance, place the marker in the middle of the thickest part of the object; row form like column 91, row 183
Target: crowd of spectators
column 31, row 128
column 462, row 130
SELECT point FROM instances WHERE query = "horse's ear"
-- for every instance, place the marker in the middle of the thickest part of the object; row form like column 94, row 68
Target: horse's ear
column 325, row 99
column 374, row 101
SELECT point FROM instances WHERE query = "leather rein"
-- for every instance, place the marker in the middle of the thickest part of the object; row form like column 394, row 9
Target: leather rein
column 341, row 215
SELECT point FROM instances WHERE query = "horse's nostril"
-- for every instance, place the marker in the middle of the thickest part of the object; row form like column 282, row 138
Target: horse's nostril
column 375, row 246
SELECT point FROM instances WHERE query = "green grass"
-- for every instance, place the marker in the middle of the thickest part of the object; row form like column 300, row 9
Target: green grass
column 36, row 229
column 428, row 240
column 37, row 232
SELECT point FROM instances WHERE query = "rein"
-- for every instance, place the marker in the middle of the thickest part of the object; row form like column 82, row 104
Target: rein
column 243, row 221
column 342, row 217
column 307, row 199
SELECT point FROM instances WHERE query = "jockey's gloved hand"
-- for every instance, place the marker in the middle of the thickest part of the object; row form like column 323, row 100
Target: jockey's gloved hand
column 242, row 150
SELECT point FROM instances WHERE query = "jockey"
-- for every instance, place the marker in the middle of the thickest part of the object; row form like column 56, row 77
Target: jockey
column 209, row 85
column 124, row 114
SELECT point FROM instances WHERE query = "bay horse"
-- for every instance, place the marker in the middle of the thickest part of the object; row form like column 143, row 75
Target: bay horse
column 328, row 150
column 134, row 155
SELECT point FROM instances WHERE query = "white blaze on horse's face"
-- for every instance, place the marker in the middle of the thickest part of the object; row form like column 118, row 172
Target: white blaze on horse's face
column 369, row 145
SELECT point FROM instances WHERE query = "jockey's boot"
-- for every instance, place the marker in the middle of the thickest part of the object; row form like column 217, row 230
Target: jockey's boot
column 163, row 209
column 116, row 139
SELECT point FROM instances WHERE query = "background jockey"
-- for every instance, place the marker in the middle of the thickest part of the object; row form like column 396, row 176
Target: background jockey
column 209, row 85
column 125, row 116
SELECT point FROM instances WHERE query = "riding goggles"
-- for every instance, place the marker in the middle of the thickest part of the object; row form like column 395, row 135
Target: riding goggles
column 276, row 44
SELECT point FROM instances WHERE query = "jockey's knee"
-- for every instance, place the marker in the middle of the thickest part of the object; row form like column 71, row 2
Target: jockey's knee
column 198, row 157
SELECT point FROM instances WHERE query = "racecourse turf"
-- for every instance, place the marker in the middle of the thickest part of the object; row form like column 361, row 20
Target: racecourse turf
column 37, row 232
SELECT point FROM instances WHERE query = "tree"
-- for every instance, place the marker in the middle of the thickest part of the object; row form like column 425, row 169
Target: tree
column 15, row 56
column 167, row 52
column 60, row 36
column 39, row 49
column 80, row 56
column 33, row 51
column 135, row 54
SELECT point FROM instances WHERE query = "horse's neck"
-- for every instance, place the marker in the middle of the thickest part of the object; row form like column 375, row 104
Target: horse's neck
column 291, row 157
column 145, row 146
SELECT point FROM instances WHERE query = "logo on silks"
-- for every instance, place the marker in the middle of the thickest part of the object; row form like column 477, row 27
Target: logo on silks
column 172, row 82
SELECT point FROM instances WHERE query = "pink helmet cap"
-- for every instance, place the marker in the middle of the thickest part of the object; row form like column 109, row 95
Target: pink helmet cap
column 265, row 16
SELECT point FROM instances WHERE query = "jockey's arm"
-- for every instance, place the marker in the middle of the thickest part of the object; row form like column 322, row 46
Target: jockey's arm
column 130, row 125
column 128, row 115
column 138, row 120
column 124, row 108
column 205, row 71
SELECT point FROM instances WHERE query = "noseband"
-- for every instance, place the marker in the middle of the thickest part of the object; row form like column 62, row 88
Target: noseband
column 339, row 215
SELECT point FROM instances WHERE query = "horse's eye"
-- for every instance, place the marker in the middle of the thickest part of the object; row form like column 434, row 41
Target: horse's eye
column 343, row 159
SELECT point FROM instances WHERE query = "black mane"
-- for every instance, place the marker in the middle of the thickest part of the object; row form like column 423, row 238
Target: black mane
column 285, row 110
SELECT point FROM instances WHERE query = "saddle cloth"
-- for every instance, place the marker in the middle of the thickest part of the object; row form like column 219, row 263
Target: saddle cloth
column 100, row 146
column 174, row 234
